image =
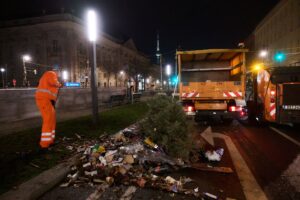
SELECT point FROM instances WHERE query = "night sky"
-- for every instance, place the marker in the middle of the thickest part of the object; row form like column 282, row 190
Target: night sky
column 190, row 24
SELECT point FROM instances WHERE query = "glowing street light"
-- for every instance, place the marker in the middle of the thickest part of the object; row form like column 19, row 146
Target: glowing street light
column 65, row 75
column 263, row 53
column 157, row 81
column 121, row 72
column 147, row 80
column 25, row 58
column 92, row 31
column 92, row 25
column 168, row 70
column 2, row 71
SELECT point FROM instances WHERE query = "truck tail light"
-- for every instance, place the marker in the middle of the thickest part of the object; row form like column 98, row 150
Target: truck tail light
column 232, row 108
column 235, row 109
column 272, row 98
column 189, row 108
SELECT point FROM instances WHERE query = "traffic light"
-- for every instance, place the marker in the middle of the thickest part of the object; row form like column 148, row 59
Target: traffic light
column 174, row 79
column 279, row 57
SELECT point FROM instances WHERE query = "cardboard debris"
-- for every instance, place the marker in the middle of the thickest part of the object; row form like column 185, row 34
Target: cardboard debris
column 204, row 167
column 128, row 159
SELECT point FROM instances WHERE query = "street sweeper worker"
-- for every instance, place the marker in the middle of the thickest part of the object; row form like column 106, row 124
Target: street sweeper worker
column 46, row 96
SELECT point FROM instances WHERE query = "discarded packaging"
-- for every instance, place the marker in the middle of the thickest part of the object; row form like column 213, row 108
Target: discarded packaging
column 70, row 148
column 170, row 180
column 149, row 142
column 214, row 155
column 110, row 180
column 86, row 165
column 128, row 159
column 210, row 195
column 132, row 149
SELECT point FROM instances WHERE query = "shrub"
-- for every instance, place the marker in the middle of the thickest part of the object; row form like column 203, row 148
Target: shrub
column 166, row 125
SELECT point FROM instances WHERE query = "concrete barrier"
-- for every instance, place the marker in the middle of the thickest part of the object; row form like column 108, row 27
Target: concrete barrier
column 19, row 104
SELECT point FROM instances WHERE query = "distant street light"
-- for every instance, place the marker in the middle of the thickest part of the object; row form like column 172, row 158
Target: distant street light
column 263, row 53
column 2, row 71
column 168, row 72
column 25, row 58
column 65, row 75
column 92, row 28
column 121, row 72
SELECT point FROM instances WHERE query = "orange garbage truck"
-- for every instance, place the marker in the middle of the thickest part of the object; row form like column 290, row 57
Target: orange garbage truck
column 277, row 94
column 212, row 82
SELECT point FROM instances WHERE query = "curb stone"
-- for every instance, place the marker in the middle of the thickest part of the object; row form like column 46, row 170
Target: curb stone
column 37, row 186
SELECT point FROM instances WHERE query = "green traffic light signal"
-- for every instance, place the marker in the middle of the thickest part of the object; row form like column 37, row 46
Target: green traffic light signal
column 279, row 57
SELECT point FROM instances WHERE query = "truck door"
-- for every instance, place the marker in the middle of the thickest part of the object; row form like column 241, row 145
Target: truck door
column 289, row 108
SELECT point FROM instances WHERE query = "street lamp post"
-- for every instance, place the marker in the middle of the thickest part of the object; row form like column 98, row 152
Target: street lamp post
column 161, row 73
column 25, row 58
column 2, row 71
column 168, row 72
column 92, row 36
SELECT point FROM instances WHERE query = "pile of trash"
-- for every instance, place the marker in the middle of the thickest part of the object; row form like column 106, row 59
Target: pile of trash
column 129, row 159
column 126, row 158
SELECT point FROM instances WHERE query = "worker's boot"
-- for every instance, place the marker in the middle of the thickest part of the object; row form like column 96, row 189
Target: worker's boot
column 45, row 145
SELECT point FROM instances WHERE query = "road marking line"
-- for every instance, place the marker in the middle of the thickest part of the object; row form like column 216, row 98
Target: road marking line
column 251, row 188
column 286, row 136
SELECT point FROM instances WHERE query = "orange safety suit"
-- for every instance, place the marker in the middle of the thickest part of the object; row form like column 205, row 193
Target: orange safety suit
column 46, row 92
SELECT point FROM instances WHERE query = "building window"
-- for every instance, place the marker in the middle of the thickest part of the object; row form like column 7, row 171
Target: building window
column 104, row 75
column 81, row 49
column 105, row 84
column 55, row 46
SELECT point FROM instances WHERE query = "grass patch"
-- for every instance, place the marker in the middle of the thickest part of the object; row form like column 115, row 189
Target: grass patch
column 20, row 149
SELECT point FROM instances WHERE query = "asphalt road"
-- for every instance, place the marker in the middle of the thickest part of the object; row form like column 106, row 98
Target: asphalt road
column 271, row 152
